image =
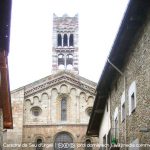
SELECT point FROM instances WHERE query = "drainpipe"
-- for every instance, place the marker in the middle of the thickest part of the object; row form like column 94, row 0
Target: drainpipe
column 122, row 74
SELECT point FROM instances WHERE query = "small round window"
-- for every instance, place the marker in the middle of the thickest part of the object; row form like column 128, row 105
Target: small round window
column 36, row 111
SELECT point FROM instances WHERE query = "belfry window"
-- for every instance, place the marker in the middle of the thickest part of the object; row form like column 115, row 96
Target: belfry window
column 71, row 42
column 59, row 40
column 65, row 41
column 63, row 109
column 69, row 61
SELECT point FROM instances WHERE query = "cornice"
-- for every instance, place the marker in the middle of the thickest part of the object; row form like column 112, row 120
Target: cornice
column 60, row 78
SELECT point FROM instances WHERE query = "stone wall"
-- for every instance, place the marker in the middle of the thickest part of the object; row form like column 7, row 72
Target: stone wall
column 137, row 69
column 14, row 136
column 49, row 101
column 28, row 125
column 48, row 134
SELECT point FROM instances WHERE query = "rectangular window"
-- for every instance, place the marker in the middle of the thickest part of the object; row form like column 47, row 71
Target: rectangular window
column 132, row 97
column 63, row 109
column 123, row 111
column 123, row 107
column 132, row 102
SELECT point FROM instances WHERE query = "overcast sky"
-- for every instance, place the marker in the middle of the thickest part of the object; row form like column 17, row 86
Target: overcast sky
column 31, row 36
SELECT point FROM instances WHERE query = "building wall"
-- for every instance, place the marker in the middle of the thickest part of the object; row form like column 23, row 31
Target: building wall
column 105, row 126
column 137, row 68
column 1, row 129
column 28, row 127
column 48, row 134
column 14, row 136
column 49, row 101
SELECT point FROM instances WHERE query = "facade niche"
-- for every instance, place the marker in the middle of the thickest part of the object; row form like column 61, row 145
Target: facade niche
column 44, row 96
column 36, row 100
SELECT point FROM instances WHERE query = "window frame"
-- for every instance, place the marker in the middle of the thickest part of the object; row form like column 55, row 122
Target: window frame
column 35, row 109
column 123, row 107
column 63, row 109
column 116, row 128
column 132, row 97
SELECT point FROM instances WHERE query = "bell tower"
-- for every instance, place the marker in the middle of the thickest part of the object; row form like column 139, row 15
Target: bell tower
column 65, row 44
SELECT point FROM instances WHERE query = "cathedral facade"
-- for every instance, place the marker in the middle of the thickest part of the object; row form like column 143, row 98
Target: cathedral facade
column 53, row 112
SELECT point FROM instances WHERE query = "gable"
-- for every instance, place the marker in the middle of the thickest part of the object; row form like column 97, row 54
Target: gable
column 60, row 78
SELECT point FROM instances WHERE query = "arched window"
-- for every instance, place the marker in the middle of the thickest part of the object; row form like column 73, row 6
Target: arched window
column 63, row 137
column 71, row 42
column 88, row 145
column 63, row 109
column 39, row 144
column 61, row 60
column 59, row 40
column 65, row 40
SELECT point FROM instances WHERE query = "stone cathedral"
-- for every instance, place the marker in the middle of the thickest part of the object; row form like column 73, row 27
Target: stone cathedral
column 55, row 109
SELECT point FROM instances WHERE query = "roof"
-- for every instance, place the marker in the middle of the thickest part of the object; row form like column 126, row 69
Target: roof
column 5, row 100
column 5, row 19
column 133, row 20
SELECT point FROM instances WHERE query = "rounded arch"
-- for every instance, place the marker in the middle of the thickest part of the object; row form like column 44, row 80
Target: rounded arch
column 65, row 110
column 61, row 60
column 36, row 100
column 82, row 96
column 28, row 102
column 54, row 91
column 69, row 56
column 69, row 61
column 54, row 94
column 63, row 137
column 59, row 40
column 44, row 96
column 65, row 40
column 60, row 55
column 63, row 88
column 90, row 100
column 39, row 140
column 73, row 91
column 71, row 40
